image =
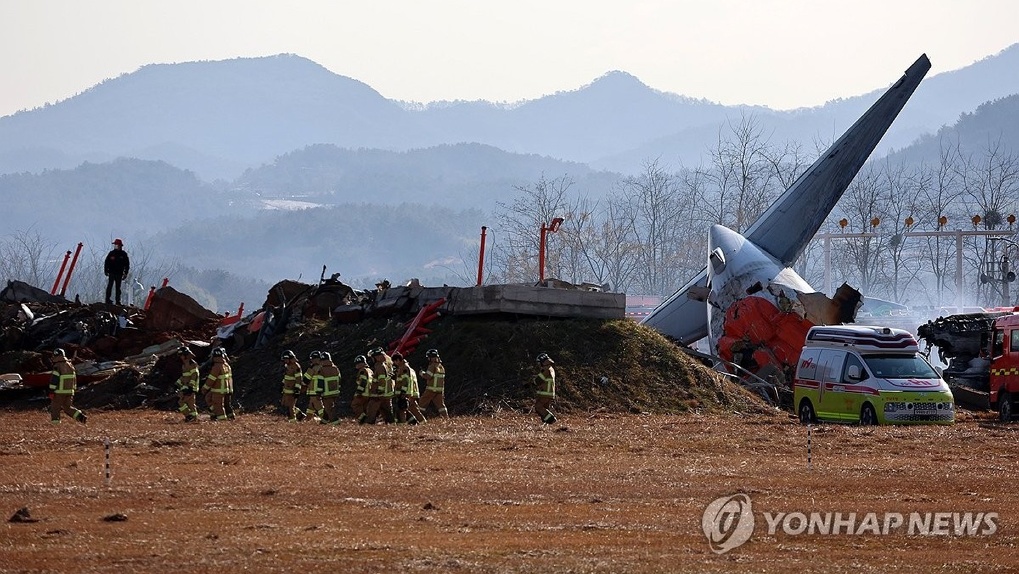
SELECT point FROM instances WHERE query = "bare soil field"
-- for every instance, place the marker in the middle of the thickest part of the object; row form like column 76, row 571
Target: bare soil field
column 498, row 493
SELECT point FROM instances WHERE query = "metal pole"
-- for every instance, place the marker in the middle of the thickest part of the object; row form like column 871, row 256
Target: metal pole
column 1005, row 267
column 958, row 270
column 74, row 261
column 60, row 273
column 481, row 255
column 148, row 300
column 827, row 265
column 541, row 255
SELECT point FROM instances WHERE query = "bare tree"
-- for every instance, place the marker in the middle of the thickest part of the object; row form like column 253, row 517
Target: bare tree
column 605, row 243
column 900, row 202
column 520, row 222
column 862, row 202
column 938, row 189
column 744, row 176
column 26, row 256
column 991, row 187
column 655, row 214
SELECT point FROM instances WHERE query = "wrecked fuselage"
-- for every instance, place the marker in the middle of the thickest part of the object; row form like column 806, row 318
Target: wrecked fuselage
column 759, row 311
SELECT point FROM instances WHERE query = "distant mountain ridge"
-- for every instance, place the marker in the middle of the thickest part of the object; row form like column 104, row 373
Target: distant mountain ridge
column 472, row 175
column 218, row 117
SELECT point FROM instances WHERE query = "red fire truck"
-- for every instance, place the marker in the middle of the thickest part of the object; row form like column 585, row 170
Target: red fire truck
column 982, row 354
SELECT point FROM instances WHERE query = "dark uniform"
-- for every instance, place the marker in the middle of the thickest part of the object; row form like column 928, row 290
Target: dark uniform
column 116, row 268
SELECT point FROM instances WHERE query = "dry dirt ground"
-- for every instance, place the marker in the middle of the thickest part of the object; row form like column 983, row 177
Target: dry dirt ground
column 598, row 493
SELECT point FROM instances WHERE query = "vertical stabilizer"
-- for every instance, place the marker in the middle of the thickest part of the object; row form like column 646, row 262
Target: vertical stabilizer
column 785, row 229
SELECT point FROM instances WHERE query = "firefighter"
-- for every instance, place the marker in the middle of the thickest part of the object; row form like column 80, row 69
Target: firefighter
column 380, row 392
column 382, row 361
column 435, row 384
column 187, row 384
column 63, row 382
column 407, row 410
column 384, row 379
column 545, row 394
column 365, row 379
column 330, row 378
column 292, row 378
column 219, row 386
column 312, row 387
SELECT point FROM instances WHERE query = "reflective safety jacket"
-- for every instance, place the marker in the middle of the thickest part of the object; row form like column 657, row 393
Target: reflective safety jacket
column 329, row 376
column 292, row 379
column 407, row 382
column 189, row 377
column 221, row 379
column 63, row 379
column 312, row 381
column 365, row 378
column 435, row 377
column 383, row 384
column 546, row 385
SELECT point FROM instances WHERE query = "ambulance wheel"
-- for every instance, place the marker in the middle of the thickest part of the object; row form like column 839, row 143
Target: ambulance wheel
column 867, row 415
column 807, row 415
column 1005, row 408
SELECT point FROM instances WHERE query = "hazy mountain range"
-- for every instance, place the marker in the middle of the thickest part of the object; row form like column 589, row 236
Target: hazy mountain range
column 218, row 118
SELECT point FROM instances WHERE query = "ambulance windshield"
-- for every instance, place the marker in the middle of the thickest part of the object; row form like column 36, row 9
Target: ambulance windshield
column 897, row 366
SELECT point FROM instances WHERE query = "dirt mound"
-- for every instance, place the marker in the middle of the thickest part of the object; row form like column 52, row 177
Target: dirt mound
column 614, row 365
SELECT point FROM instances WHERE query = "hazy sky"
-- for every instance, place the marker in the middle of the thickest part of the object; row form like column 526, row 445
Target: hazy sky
column 780, row 53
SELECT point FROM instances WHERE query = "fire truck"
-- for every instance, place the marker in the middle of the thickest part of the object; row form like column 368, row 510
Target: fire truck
column 982, row 354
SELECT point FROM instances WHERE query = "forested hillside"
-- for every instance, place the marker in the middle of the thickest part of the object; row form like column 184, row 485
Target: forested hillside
column 992, row 125
column 122, row 197
column 363, row 241
column 464, row 175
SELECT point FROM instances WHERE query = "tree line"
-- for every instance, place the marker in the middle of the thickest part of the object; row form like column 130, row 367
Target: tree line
column 650, row 235
column 647, row 236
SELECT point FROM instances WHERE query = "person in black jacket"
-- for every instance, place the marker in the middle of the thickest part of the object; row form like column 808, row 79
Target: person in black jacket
column 116, row 267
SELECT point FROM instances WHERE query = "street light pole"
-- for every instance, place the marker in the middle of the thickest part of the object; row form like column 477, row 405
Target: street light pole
column 545, row 229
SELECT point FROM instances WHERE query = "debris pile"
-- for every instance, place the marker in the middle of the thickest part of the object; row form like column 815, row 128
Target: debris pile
column 125, row 357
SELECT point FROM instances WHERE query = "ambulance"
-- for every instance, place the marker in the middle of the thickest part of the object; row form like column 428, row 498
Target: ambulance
column 868, row 375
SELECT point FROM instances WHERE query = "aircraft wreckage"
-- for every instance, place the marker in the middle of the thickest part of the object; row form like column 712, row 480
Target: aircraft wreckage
column 752, row 306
